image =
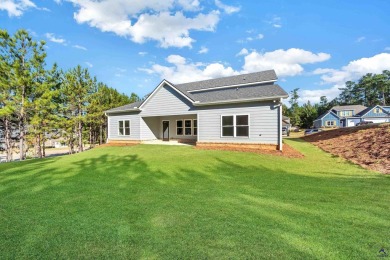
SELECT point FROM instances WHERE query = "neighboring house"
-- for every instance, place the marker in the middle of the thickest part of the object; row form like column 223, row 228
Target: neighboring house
column 346, row 116
column 243, row 109
column 286, row 122
column 328, row 119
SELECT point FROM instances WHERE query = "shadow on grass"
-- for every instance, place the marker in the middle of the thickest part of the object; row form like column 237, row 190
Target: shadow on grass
column 123, row 203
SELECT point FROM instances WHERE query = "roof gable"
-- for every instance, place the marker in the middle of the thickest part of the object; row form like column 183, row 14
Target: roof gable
column 325, row 114
column 369, row 109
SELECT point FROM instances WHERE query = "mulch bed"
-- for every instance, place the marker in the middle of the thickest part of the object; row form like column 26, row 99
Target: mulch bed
column 368, row 146
column 288, row 151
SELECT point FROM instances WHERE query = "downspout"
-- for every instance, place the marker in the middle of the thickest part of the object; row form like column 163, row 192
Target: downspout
column 280, row 126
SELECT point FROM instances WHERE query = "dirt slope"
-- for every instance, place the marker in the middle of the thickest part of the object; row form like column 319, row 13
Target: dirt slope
column 368, row 146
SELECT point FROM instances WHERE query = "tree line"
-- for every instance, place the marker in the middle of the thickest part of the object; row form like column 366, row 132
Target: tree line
column 37, row 104
column 370, row 90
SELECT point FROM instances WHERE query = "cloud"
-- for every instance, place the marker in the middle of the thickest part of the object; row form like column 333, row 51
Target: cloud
column 51, row 37
column 355, row 69
column 243, row 52
column 284, row 62
column 314, row 95
column 79, row 47
column 16, row 7
column 141, row 21
column 184, row 70
column 89, row 64
column 142, row 53
column 227, row 8
column 259, row 36
column 203, row 50
column 275, row 22
column 360, row 39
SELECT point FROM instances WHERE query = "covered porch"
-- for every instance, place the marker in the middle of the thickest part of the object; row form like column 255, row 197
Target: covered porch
column 174, row 129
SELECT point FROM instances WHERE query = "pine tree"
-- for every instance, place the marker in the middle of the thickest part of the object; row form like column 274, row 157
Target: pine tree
column 28, row 60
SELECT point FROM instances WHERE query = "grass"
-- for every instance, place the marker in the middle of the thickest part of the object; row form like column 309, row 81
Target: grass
column 167, row 202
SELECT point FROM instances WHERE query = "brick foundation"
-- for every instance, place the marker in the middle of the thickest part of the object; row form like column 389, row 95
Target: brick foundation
column 123, row 142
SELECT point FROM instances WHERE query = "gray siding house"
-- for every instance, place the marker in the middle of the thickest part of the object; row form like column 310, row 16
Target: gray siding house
column 244, row 109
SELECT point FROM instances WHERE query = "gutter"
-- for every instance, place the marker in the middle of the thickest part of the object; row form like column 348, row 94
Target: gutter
column 233, row 101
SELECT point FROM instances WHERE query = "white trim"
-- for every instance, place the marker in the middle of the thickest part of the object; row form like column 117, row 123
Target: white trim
column 193, row 127
column 124, row 127
column 160, row 86
column 126, row 110
column 179, row 127
column 238, row 100
column 162, row 129
column 108, row 128
column 187, row 127
column 235, row 126
column 232, row 86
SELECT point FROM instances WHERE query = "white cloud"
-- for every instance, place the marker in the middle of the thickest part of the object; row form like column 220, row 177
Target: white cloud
column 275, row 21
column 203, row 50
column 314, row 95
column 79, row 47
column 146, row 20
column 360, row 39
column 142, row 53
column 16, row 7
column 260, row 36
column 244, row 51
column 89, row 64
column 284, row 62
column 251, row 38
column 186, row 71
column 227, row 8
column 51, row 37
column 355, row 69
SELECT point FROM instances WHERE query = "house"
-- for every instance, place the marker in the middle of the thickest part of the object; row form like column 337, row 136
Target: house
column 346, row 116
column 243, row 109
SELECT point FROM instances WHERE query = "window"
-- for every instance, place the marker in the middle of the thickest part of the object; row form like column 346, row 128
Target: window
column 235, row 126
column 346, row 113
column 227, row 125
column 195, row 127
column 179, row 127
column 188, row 127
column 124, row 127
column 377, row 110
column 330, row 123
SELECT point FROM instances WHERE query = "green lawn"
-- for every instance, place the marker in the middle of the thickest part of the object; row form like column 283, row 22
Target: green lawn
column 176, row 202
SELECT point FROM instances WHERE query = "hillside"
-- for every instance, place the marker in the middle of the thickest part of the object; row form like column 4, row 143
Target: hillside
column 368, row 146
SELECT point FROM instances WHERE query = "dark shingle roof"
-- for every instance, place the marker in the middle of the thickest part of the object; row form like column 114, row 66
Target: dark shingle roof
column 356, row 108
column 216, row 90
column 247, row 92
column 125, row 107
column 262, row 76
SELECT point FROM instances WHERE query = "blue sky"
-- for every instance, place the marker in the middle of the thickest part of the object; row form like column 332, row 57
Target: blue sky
column 132, row 45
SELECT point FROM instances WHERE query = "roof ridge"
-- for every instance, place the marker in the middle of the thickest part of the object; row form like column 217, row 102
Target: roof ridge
column 228, row 77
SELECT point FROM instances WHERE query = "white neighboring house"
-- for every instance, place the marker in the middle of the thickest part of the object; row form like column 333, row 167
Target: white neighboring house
column 244, row 109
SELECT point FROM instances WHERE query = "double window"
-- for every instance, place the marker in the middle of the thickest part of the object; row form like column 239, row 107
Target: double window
column 187, row 127
column 235, row 126
column 377, row 110
column 124, row 127
column 330, row 123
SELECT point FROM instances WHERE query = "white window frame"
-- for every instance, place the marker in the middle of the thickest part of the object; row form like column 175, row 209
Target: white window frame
column 184, row 126
column 180, row 127
column 124, row 127
column 235, row 126
column 193, row 127
column 332, row 121
column 377, row 110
